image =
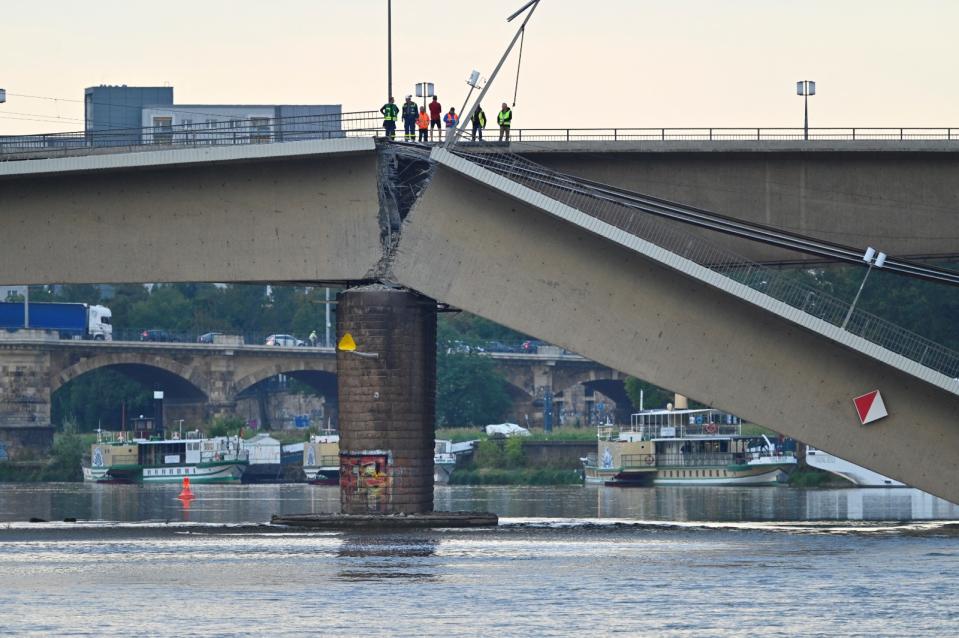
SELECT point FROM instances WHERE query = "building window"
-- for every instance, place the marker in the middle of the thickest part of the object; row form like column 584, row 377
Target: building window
column 162, row 129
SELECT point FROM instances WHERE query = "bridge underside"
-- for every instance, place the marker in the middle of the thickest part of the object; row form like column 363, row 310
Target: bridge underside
column 465, row 244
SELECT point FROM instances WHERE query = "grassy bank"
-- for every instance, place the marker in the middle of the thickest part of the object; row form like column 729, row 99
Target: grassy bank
column 521, row 476
column 63, row 464
column 812, row 477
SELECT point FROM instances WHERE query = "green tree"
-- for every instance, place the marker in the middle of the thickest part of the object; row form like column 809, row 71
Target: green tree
column 226, row 426
column 513, row 451
column 469, row 390
column 97, row 398
column 653, row 397
column 489, row 453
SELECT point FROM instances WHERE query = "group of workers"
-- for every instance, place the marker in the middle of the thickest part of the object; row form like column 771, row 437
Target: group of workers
column 414, row 118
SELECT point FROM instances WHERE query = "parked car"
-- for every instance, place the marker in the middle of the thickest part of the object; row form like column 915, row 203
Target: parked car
column 208, row 337
column 499, row 346
column 156, row 335
column 286, row 341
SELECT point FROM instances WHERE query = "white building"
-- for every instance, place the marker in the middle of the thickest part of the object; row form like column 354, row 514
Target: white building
column 263, row 449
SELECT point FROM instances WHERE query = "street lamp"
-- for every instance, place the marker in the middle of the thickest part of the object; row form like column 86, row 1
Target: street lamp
column 805, row 88
column 389, row 49
column 425, row 90
column 872, row 258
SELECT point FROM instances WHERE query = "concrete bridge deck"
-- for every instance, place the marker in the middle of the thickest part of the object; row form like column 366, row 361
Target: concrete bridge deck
column 319, row 218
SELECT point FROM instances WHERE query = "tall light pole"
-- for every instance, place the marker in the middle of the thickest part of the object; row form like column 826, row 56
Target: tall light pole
column 389, row 49
column 805, row 88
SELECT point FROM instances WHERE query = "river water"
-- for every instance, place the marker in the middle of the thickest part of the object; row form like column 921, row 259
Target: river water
column 681, row 561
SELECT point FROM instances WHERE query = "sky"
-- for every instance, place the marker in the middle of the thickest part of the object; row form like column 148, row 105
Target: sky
column 604, row 63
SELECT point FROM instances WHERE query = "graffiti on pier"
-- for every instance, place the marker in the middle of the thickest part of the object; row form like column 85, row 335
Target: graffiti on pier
column 365, row 477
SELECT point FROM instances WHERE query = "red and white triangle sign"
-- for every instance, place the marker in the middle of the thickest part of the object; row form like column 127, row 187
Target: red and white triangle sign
column 870, row 407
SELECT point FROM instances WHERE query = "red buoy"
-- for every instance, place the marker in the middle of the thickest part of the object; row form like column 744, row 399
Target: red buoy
column 186, row 493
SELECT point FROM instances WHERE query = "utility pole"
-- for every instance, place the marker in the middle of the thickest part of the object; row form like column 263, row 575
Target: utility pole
column 805, row 88
column 326, row 341
column 389, row 49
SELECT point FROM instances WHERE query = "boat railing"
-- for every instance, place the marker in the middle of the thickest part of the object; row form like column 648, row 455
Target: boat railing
column 647, row 432
column 634, row 461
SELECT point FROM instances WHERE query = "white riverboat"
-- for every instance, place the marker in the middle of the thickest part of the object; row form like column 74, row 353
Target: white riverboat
column 321, row 459
column 118, row 459
column 685, row 447
column 444, row 461
column 857, row 474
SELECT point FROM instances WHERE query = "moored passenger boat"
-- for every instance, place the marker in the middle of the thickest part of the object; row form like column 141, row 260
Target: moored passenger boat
column 116, row 459
column 321, row 459
column 685, row 447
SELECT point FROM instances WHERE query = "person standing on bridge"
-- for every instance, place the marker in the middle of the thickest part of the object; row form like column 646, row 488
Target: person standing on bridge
column 436, row 118
column 505, row 121
column 313, row 338
column 424, row 123
column 390, row 111
column 409, row 119
column 479, row 122
column 451, row 119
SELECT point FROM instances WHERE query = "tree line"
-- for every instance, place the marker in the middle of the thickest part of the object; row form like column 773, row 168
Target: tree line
column 470, row 390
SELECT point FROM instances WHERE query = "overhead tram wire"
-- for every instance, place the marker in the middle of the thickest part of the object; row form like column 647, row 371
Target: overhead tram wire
column 716, row 222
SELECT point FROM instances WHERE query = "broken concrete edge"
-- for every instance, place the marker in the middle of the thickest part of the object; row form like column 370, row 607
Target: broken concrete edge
column 387, row 521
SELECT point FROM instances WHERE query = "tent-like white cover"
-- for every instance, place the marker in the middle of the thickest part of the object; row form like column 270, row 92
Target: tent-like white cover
column 506, row 429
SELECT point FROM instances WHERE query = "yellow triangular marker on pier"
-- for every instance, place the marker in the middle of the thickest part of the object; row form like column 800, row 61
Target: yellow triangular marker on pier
column 346, row 343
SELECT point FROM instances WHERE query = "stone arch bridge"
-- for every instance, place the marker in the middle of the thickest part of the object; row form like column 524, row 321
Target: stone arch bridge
column 201, row 381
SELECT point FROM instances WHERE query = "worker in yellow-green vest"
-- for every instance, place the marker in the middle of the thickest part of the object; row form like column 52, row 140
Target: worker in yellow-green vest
column 390, row 112
column 505, row 120
column 479, row 122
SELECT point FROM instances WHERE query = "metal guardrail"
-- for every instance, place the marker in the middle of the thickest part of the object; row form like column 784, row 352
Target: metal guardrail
column 780, row 285
column 212, row 133
column 369, row 124
column 728, row 134
column 641, row 461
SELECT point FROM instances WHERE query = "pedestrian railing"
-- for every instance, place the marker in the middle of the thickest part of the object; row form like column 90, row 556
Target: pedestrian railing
column 724, row 134
column 780, row 285
column 212, row 133
column 370, row 124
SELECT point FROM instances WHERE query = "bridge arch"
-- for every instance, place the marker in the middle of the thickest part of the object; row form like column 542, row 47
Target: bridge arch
column 318, row 374
column 181, row 380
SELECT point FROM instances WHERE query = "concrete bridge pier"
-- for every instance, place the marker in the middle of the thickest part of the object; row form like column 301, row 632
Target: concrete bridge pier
column 25, row 429
column 387, row 395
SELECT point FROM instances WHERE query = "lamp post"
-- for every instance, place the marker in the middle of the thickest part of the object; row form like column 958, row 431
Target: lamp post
column 872, row 258
column 389, row 49
column 425, row 90
column 805, row 88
